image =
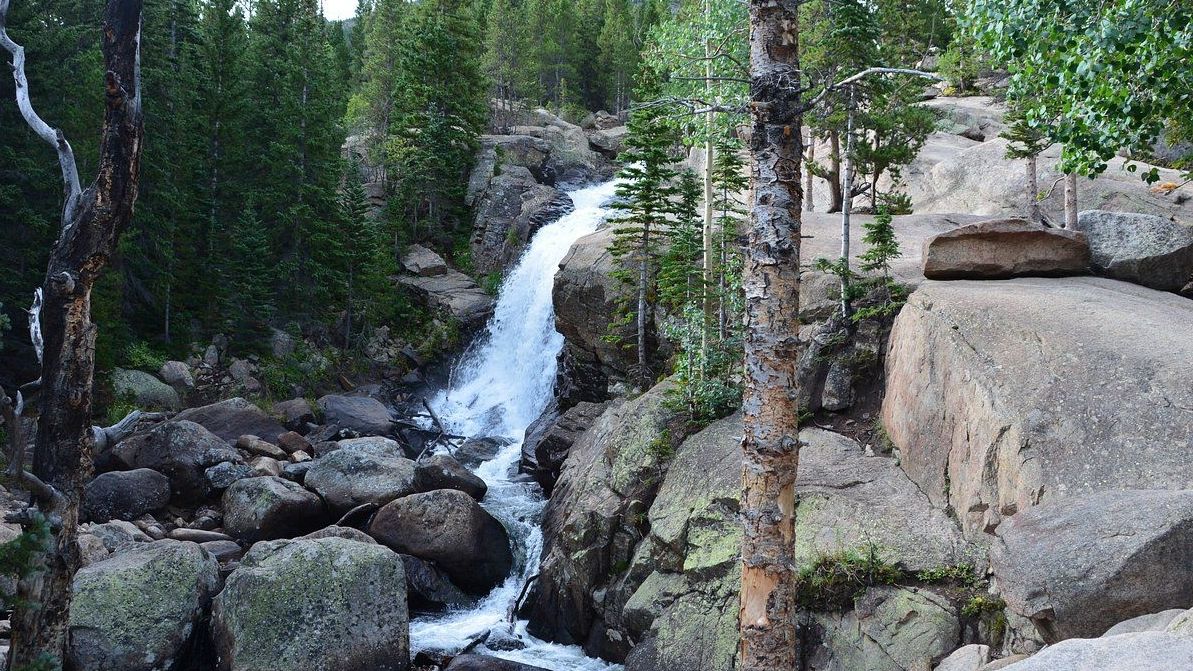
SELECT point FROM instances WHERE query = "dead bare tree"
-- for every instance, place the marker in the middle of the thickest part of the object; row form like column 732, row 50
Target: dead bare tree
column 92, row 220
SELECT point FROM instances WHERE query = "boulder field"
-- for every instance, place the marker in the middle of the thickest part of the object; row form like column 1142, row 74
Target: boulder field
column 206, row 548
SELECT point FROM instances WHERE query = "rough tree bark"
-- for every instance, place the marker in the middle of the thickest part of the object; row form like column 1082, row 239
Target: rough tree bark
column 92, row 220
column 770, row 441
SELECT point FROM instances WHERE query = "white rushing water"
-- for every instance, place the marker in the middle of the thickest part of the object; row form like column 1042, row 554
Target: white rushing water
column 501, row 385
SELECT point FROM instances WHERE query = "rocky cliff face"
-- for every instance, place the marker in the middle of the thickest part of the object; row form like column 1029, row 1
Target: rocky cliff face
column 519, row 179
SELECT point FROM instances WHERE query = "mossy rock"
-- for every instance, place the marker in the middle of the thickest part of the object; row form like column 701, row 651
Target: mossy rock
column 324, row 604
column 137, row 610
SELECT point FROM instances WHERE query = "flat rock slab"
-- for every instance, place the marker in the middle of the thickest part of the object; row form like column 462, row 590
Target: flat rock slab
column 1078, row 566
column 1144, row 651
column 454, row 293
column 1005, row 248
column 1001, row 395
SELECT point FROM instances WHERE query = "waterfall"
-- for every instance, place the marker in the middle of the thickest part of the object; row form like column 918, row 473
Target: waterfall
column 499, row 386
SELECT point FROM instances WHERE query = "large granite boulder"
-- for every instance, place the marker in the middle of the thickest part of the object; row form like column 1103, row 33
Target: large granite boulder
column 367, row 416
column 1141, row 248
column 595, row 515
column 583, row 296
column 1004, row 248
column 451, row 529
column 234, row 417
column 849, row 500
column 361, row 473
column 685, row 610
column 178, row 375
column 423, row 262
column 1077, row 566
column 268, row 507
column 144, row 389
column 956, row 174
column 137, row 610
column 1003, row 395
column 125, row 495
column 182, row 451
column 453, row 293
column 1143, row 651
column 330, row 604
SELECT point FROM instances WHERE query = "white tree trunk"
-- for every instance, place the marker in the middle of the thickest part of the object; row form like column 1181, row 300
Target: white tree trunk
column 1071, row 200
column 1033, row 190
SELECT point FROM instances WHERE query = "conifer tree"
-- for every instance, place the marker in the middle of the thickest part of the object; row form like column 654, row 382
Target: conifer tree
column 644, row 203
column 440, row 111
column 680, row 279
column 295, row 125
column 730, row 181
column 507, row 57
column 246, row 294
column 618, row 55
column 1025, row 141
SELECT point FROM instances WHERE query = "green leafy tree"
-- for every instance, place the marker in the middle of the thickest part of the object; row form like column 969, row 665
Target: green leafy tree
column 1096, row 77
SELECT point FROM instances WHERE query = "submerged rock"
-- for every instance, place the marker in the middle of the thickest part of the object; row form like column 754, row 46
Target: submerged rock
column 487, row 663
column 329, row 604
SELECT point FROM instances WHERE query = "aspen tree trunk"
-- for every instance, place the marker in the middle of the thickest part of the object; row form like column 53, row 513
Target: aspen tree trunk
column 1071, row 200
column 709, row 125
column 809, row 205
column 1033, row 190
column 770, row 441
column 835, row 197
column 92, row 220
column 847, row 208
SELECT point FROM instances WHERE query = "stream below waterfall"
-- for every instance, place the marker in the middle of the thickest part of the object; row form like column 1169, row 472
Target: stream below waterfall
column 499, row 387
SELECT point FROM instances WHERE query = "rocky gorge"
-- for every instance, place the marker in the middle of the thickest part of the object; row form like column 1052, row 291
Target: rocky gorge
column 992, row 479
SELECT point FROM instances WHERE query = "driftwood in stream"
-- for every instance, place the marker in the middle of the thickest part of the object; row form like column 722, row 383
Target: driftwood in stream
column 92, row 220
